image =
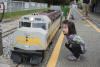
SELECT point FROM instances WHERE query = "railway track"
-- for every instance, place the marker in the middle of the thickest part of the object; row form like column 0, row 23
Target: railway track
column 8, row 27
column 8, row 32
column 10, row 20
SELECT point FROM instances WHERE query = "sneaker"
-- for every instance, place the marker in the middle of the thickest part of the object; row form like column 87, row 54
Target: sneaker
column 72, row 58
column 84, row 18
column 78, row 60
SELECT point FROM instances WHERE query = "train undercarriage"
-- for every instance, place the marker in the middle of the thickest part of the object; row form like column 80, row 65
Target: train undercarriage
column 24, row 56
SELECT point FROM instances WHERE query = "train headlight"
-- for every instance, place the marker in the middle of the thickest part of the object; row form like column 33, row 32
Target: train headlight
column 31, row 19
column 26, row 46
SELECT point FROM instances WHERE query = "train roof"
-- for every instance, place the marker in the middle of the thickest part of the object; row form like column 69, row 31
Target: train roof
column 47, row 16
column 52, row 14
column 37, row 18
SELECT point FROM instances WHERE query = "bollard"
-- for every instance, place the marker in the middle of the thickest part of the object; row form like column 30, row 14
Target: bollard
column 1, row 47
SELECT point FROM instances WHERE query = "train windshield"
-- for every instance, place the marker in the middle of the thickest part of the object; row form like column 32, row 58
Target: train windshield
column 39, row 25
column 25, row 24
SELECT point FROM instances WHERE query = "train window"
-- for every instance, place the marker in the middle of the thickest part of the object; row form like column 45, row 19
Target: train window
column 27, row 18
column 19, row 24
column 38, row 19
column 39, row 25
column 49, row 26
column 25, row 24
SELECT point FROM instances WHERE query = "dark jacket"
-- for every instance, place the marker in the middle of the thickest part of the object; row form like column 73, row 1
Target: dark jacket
column 86, row 1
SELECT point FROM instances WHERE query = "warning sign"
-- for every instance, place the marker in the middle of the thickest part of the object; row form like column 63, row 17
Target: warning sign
column 1, row 7
column 26, row 7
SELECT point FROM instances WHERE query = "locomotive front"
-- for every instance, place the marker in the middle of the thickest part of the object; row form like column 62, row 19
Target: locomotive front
column 30, row 40
column 34, row 35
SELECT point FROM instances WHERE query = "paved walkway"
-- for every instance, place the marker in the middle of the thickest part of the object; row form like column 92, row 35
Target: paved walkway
column 92, row 39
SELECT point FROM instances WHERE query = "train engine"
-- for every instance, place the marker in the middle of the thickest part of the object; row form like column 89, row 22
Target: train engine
column 34, row 35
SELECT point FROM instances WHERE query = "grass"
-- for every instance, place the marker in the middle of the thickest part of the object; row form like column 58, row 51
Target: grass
column 12, row 15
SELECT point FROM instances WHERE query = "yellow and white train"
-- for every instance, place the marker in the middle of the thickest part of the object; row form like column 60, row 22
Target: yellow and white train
column 34, row 35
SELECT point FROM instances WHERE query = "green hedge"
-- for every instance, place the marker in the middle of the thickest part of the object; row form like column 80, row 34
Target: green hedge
column 21, row 13
column 65, row 10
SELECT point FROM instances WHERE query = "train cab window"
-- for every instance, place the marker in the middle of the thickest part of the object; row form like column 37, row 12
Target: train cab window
column 38, row 19
column 49, row 26
column 39, row 25
column 25, row 24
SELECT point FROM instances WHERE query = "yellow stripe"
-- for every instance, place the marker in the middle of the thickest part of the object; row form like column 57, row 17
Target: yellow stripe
column 27, row 43
column 27, row 38
column 18, row 41
column 55, row 54
column 94, row 26
column 68, row 17
column 54, row 57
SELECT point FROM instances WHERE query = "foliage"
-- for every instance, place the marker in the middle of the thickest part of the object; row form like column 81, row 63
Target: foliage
column 54, row 2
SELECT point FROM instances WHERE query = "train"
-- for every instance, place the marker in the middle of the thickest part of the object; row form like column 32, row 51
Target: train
column 34, row 35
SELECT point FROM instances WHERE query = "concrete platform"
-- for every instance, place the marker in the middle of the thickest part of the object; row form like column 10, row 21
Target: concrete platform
column 4, row 65
column 92, row 39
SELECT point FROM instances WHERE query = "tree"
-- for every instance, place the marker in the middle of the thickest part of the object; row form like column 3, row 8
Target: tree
column 54, row 2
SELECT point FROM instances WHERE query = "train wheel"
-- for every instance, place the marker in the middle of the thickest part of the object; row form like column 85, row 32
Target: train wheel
column 16, row 58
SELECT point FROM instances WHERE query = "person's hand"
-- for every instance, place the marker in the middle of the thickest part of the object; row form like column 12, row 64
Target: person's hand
column 89, row 4
column 66, row 43
column 70, row 45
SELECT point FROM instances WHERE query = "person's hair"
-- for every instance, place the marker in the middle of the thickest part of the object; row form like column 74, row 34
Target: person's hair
column 71, row 27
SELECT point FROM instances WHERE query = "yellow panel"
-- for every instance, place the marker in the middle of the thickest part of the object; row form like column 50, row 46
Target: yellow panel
column 53, row 33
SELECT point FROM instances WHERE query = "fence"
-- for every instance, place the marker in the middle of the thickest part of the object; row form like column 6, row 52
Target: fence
column 14, row 6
